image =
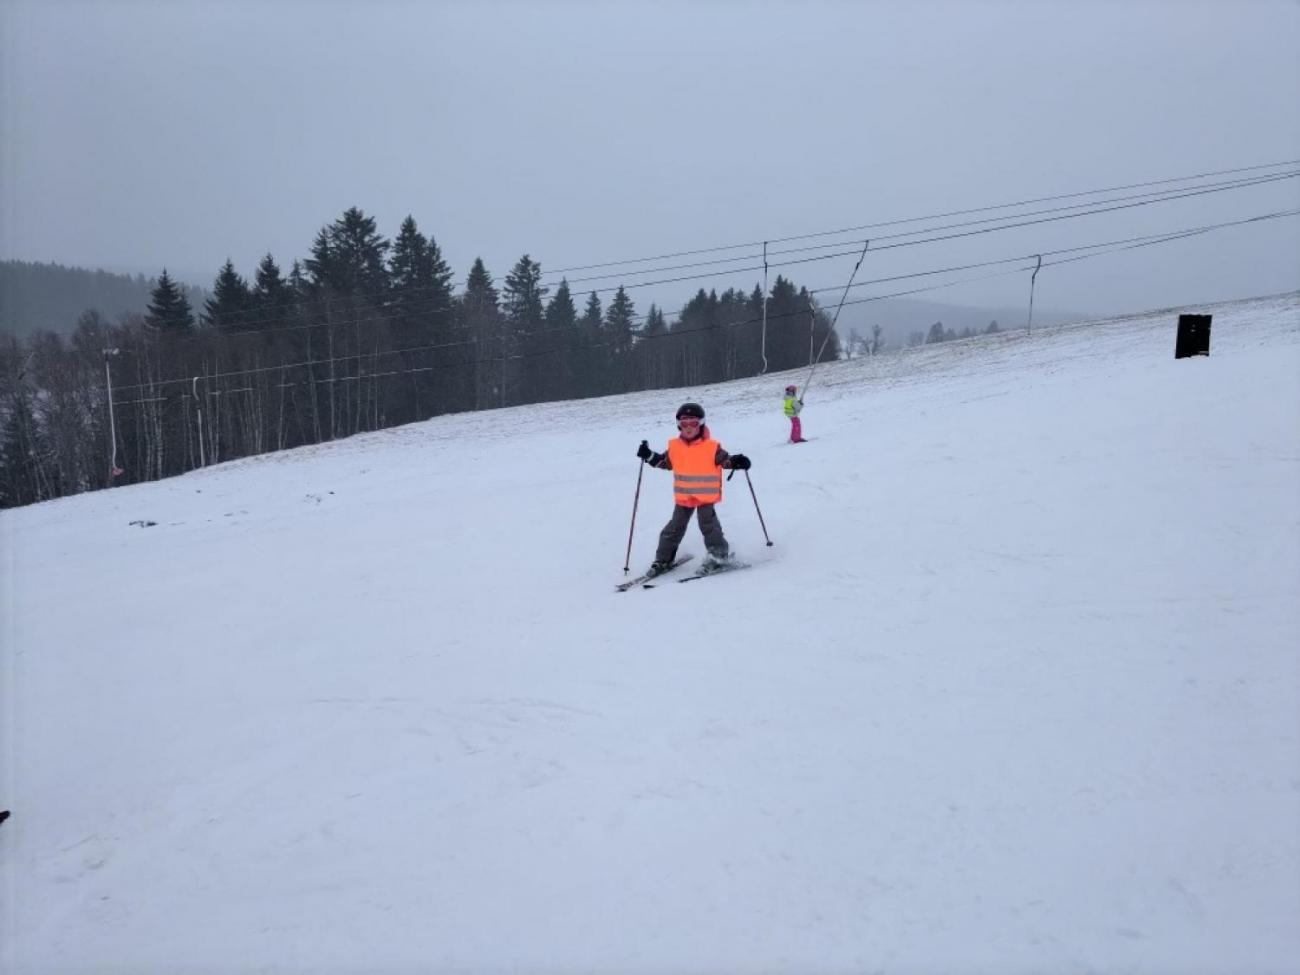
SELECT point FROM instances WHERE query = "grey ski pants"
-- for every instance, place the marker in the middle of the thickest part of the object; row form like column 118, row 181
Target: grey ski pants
column 675, row 530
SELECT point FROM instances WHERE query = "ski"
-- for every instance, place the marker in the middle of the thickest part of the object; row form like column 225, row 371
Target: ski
column 647, row 576
column 704, row 573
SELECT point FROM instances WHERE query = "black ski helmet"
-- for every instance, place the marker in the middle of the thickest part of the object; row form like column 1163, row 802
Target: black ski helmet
column 691, row 409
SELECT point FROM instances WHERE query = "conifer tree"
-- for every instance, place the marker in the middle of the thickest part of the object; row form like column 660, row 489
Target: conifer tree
column 269, row 285
column 482, row 324
column 522, row 304
column 652, row 355
column 421, row 311
column 169, row 310
column 349, row 281
column 619, row 323
column 347, row 257
column 562, row 335
column 228, row 308
column 480, row 290
column 698, row 326
column 589, row 371
column 298, row 278
column 620, row 319
column 787, row 326
column 272, row 297
column 654, row 323
column 593, row 316
column 408, row 266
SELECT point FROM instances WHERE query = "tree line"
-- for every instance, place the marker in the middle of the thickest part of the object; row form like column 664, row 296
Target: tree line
column 363, row 334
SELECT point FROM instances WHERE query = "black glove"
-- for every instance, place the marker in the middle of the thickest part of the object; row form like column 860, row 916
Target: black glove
column 644, row 451
column 739, row 462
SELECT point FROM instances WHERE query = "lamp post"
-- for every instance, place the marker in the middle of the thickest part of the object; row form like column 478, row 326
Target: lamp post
column 113, row 469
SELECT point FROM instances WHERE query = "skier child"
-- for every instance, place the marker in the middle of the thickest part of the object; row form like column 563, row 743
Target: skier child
column 697, row 462
column 792, row 408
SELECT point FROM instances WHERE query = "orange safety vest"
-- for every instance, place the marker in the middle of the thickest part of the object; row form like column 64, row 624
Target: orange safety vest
column 697, row 478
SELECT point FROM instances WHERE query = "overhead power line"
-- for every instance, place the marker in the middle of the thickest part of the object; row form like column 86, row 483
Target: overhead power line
column 1096, row 249
column 414, row 308
column 934, row 216
column 1155, row 197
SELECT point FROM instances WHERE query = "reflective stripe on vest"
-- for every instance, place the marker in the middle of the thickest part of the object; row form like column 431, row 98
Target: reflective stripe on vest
column 697, row 488
column 697, row 479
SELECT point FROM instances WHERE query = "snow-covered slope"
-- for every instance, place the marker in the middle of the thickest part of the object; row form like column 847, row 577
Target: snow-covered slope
column 1015, row 689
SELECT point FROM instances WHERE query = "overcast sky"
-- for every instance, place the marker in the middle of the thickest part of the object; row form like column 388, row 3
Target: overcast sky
column 142, row 135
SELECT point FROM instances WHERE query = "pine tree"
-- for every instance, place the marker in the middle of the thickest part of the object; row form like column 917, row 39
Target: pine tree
column 408, row 266
column 271, row 297
column 349, row 283
column 298, row 283
column 561, row 313
column 269, row 286
column 480, row 291
column 522, row 299
column 620, row 319
column 787, row 326
column 228, row 308
column 654, row 323
column 421, row 310
column 347, row 258
column 522, row 302
column 653, row 355
column 482, row 323
column 593, row 316
column 169, row 310
column 701, row 339
column 589, row 371
column 563, row 335
column 421, row 282
column 619, row 322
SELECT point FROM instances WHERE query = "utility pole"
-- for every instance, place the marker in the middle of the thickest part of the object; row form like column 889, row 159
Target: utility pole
column 1032, row 278
column 198, row 407
column 113, row 469
column 762, row 349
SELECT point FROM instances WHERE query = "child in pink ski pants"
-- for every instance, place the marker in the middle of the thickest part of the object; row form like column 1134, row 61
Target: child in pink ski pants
column 792, row 407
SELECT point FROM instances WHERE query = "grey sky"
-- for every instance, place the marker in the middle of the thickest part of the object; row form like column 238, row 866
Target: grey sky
column 138, row 135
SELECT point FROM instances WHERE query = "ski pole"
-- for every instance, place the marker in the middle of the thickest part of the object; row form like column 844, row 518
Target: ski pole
column 636, row 499
column 757, row 508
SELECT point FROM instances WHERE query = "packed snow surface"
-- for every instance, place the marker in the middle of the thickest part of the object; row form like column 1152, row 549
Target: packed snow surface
column 1015, row 688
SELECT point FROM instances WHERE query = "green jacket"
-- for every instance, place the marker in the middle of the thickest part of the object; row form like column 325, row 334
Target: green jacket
column 793, row 405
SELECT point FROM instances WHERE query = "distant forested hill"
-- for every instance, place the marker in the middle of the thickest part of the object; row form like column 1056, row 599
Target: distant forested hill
column 902, row 319
column 36, row 296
